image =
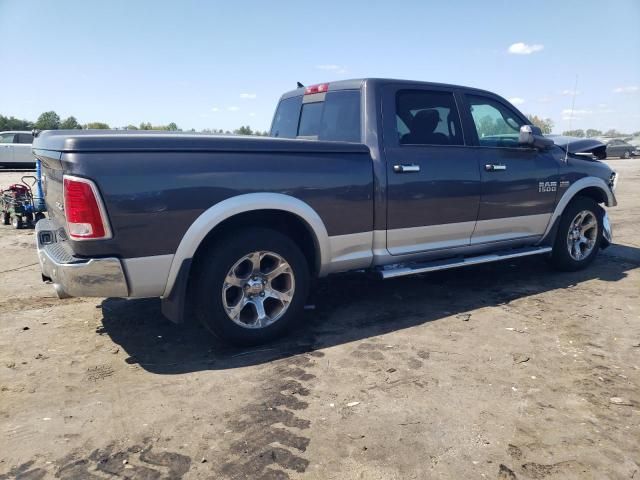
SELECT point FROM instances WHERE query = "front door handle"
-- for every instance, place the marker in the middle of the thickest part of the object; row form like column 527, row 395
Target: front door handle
column 491, row 167
column 406, row 168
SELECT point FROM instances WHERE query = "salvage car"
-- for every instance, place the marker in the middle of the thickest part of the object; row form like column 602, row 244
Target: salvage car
column 619, row 148
column 391, row 176
column 15, row 149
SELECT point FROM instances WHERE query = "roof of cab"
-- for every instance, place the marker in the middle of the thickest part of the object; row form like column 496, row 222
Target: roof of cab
column 356, row 83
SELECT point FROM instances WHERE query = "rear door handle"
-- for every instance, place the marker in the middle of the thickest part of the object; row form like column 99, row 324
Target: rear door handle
column 406, row 168
column 491, row 167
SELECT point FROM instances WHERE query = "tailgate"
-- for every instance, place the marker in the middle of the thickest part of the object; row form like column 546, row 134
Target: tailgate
column 52, row 184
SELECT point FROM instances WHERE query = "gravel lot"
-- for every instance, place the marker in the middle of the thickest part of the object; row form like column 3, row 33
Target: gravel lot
column 500, row 371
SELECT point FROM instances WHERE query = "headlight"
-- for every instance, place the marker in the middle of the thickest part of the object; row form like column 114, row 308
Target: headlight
column 613, row 181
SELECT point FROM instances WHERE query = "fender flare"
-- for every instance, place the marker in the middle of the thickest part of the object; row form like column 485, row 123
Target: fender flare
column 230, row 207
column 572, row 191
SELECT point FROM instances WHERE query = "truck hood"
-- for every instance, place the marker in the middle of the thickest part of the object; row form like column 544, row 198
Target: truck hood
column 587, row 147
column 149, row 141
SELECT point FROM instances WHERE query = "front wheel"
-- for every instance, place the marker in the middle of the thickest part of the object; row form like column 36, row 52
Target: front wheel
column 16, row 222
column 626, row 154
column 252, row 286
column 579, row 235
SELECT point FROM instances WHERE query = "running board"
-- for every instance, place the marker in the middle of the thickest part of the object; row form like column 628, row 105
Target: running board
column 400, row 270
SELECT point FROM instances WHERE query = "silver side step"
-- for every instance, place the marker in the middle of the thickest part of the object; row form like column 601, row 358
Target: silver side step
column 392, row 271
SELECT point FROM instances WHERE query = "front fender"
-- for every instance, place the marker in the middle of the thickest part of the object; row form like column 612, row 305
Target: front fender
column 571, row 192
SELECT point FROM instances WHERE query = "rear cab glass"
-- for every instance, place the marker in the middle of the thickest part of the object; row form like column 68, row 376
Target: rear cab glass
column 334, row 116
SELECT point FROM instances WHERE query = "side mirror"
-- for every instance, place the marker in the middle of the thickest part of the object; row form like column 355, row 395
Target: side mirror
column 531, row 136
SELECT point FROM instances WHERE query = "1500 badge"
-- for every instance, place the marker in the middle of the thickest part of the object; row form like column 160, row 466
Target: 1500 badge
column 547, row 186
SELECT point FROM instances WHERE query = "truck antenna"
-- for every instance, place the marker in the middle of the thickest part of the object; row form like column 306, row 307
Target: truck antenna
column 573, row 104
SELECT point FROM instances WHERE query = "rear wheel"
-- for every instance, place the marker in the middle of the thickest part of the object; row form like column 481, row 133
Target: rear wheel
column 579, row 235
column 252, row 286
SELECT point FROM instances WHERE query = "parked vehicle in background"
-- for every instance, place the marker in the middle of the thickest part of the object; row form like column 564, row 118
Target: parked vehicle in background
column 392, row 176
column 15, row 149
column 619, row 148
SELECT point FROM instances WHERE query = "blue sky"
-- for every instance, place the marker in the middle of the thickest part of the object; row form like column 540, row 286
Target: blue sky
column 224, row 64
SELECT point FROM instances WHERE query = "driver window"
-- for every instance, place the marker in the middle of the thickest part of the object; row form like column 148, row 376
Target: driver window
column 496, row 125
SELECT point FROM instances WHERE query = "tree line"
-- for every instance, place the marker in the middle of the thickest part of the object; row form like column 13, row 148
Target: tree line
column 592, row 132
column 52, row 121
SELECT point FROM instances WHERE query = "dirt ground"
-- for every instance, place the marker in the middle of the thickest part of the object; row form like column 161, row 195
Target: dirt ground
column 499, row 371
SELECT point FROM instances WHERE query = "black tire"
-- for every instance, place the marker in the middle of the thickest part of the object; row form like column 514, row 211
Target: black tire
column 6, row 218
column 217, row 262
column 16, row 221
column 626, row 154
column 39, row 216
column 561, row 259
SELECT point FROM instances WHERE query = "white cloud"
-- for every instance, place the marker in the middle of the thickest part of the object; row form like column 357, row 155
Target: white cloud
column 233, row 108
column 215, row 109
column 545, row 99
column 520, row 48
column 248, row 96
column 252, row 114
column 568, row 111
column 576, row 114
column 516, row 100
column 627, row 89
column 569, row 93
column 332, row 68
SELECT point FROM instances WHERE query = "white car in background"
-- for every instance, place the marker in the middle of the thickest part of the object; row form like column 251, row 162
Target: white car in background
column 15, row 149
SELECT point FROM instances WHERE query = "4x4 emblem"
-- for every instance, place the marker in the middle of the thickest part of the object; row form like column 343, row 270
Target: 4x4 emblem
column 547, row 186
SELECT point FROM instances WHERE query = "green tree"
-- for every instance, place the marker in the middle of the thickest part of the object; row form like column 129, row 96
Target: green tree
column 13, row 123
column 97, row 126
column 131, row 127
column 574, row 133
column 48, row 121
column 592, row 132
column 70, row 123
column 172, row 127
column 612, row 133
column 244, row 130
column 544, row 124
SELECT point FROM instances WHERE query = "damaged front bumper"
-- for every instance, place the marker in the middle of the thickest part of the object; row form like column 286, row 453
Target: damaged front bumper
column 73, row 276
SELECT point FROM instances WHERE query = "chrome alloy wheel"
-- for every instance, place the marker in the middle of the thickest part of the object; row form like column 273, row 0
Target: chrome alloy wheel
column 258, row 289
column 583, row 234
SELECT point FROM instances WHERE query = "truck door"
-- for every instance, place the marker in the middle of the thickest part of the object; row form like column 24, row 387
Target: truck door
column 22, row 148
column 519, row 184
column 6, row 147
column 433, row 190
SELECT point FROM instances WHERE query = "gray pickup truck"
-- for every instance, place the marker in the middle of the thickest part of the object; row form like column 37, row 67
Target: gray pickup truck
column 398, row 177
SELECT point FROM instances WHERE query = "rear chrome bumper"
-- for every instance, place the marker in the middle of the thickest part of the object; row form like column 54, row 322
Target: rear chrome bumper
column 72, row 276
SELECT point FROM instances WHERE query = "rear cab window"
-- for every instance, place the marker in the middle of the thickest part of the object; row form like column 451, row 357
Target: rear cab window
column 426, row 117
column 23, row 138
column 332, row 116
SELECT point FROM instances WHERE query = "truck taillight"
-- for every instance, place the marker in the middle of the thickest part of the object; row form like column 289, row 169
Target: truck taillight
column 86, row 218
column 320, row 88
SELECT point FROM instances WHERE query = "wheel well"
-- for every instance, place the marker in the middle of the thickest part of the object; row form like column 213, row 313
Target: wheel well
column 594, row 193
column 284, row 222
